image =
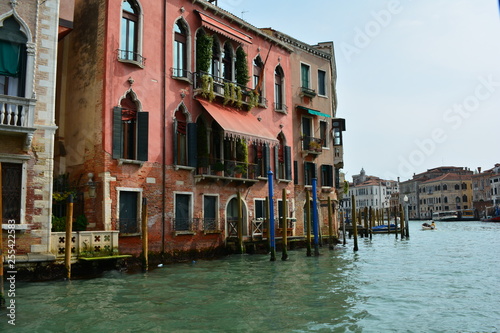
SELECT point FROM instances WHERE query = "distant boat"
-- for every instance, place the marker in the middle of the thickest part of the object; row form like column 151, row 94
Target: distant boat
column 491, row 219
column 455, row 215
column 451, row 215
column 494, row 218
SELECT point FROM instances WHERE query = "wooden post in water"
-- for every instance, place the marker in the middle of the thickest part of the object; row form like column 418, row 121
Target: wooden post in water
column 284, row 255
column 371, row 222
column 402, row 221
column 267, row 224
column 240, row 223
column 354, row 223
column 343, row 220
column 69, row 230
column 144, row 230
column 2, row 298
column 308, row 223
column 330, row 224
column 360, row 222
column 365, row 211
column 396, row 213
column 271, row 214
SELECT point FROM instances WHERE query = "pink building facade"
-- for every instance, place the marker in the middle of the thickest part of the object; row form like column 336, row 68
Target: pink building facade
column 180, row 105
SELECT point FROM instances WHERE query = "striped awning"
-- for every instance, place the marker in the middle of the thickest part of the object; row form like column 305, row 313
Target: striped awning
column 239, row 123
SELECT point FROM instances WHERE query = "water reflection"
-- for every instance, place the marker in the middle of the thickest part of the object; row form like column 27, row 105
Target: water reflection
column 441, row 281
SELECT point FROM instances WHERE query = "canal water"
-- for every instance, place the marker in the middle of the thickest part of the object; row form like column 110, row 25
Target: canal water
column 445, row 280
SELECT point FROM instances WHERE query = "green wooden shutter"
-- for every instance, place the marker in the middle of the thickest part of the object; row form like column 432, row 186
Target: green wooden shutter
column 288, row 162
column 192, row 144
column 174, row 141
column 295, row 172
column 267, row 159
column 117, row 133
column 142, row 135
column 276, row 161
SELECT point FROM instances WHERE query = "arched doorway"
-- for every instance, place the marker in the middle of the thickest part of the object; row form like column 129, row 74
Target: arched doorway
column 232, row 218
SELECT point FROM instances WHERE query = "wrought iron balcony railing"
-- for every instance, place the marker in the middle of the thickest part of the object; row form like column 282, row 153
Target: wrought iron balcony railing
column 130, row 56
column 229, row 169
column 189, row 225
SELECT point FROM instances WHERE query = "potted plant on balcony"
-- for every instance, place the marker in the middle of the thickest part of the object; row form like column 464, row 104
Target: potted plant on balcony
column 218, row 167
column 315, row 146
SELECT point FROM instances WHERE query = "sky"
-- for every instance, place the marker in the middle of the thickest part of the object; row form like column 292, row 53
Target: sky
column 418, row 81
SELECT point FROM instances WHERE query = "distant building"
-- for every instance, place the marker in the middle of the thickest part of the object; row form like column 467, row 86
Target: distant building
column 486, row 190
column 372, row 191
column 444, row 193
column 438, row 189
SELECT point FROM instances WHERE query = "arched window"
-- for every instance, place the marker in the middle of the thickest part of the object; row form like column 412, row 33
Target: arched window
column 457, row 187
column 184, row 138
column 130, row 130
column 258, row 66
column 278, row 89
column 130, row 42
column 457, row 199
column 227, row 62
column 464, row 186
column 464, row 198
column 12, row 59
column 180, row 49
column 445, row 187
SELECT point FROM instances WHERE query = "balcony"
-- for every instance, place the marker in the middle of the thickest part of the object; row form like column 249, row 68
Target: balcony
column 229, row 170
column 311, row 145
column 131, row 57
column 211, row 87
column 17, row 117
column 85, row 244
column 311, row 93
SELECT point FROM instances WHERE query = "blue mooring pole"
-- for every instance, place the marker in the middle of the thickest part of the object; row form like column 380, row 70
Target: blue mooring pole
column 271, row 215
column 315, row 218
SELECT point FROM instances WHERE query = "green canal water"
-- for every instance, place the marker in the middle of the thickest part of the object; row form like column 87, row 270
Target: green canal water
column 446, row 280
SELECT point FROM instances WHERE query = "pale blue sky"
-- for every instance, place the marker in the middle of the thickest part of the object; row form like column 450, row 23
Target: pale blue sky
column 418, row 81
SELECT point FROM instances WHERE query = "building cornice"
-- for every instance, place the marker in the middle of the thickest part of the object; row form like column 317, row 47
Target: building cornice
column 298, row 44
column 215, row 10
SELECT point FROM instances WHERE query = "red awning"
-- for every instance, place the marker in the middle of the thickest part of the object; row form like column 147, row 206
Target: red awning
column 224, row 29
column 238, row 123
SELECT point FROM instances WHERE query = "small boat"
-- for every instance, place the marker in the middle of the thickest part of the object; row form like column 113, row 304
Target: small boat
column 491, row 219
column 427, row 226
column 383, row 228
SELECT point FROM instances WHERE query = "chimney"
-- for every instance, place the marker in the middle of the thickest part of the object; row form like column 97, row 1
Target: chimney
column 479, row 169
